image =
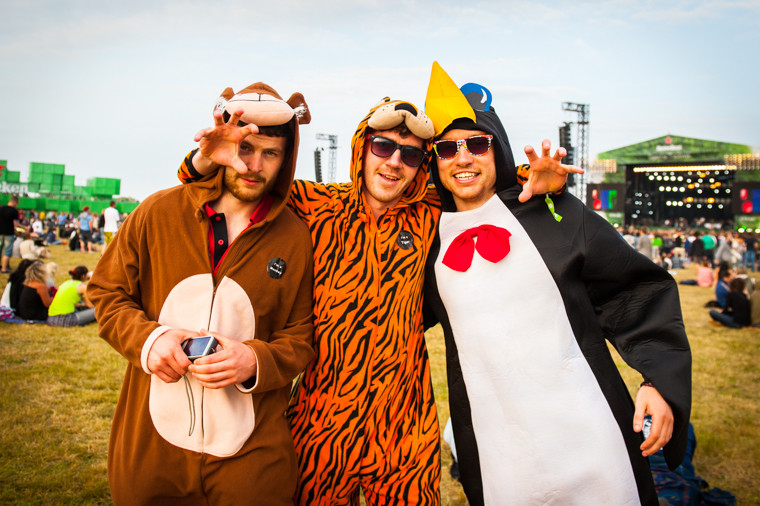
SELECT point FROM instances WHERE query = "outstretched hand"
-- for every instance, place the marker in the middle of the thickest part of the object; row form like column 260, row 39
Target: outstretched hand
column 220, row 144
column 650, row 402
column 547, row 173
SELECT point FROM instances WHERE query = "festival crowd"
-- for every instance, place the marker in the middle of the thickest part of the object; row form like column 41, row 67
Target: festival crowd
column 30, row 294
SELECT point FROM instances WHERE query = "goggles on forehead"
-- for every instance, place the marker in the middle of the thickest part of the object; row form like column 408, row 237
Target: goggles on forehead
column 384, row 147
column 477, row 145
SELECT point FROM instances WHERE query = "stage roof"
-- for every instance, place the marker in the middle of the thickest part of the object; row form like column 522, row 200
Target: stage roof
column 674, row 149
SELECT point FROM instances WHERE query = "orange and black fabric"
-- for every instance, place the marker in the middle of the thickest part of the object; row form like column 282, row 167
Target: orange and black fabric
column 363, row 413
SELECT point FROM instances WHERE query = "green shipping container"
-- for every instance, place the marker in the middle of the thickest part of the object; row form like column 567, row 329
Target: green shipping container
column 126, row 207
column 27, row 203
column 10, row 176
column 67, row 185
column 46, row 168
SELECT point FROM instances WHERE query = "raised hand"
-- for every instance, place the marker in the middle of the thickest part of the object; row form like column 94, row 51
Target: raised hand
column 220, row 144
column 547, row 173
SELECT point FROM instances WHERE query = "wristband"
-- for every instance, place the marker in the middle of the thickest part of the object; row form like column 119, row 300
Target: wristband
column 646, row 384
column 550, row 205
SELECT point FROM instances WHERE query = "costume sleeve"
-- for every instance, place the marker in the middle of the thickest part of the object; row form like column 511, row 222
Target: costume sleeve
column 186, row 172
column 522, row 173
column 639, row 311
column 289, row 350
column 305, row 196
column 115, row 291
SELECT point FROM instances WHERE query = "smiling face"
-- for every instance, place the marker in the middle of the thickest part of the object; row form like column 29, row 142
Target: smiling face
column 470, row 179
column 263, row 157
column 384, row 180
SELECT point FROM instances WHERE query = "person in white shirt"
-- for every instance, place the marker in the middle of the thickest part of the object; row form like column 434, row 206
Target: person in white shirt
column 111, row 224
column 37, row 227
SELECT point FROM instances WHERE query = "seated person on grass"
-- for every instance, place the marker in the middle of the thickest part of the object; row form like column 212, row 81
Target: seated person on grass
column 736, row 312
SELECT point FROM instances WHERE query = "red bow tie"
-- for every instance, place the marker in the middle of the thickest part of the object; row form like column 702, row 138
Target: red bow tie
column 492, row 244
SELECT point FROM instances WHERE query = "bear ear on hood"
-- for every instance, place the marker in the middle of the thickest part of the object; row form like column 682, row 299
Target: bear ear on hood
column 301, row 108
column 228, row 93
column 262, row 105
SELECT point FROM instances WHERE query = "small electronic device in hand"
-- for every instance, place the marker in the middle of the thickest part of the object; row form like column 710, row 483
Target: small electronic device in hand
column 197, row 347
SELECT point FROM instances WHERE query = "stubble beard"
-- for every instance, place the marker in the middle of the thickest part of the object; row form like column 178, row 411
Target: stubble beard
column 241, row 192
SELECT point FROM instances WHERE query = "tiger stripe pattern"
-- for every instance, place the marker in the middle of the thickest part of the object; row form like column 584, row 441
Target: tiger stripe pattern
column 363, row 414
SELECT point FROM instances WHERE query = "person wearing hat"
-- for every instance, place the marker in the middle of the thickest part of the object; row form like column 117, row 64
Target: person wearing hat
column 528, row 296
column 363, row 414
column 226, row 258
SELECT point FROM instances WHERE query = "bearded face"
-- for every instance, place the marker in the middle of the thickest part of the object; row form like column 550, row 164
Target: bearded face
column 263, row 156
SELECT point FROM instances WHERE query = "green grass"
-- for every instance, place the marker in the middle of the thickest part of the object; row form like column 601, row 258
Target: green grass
column 59, row 386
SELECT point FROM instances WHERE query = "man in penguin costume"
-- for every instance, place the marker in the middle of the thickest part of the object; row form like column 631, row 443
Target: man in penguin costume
column 528, row 296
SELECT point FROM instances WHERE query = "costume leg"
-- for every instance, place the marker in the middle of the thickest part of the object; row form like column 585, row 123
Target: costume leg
column 258, row 478
column 402, row 462
column 145, row 476
column 328, row 469
column 411, row 483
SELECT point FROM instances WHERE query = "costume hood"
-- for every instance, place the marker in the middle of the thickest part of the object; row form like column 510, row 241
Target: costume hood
column 468, row 108
column 387, row 115
column 263, row 106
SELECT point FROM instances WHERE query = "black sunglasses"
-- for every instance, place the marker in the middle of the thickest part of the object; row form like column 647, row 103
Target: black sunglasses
column 477, row 145
column 383, row 147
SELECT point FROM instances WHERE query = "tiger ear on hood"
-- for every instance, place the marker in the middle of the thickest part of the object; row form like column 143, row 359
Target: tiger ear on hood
column 301, row 108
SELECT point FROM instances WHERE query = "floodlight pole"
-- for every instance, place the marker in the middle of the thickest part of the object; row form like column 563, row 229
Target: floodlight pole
column 581, row 151
column 332, row 156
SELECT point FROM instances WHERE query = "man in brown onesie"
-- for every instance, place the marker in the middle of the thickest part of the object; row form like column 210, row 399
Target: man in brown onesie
column 225, row 255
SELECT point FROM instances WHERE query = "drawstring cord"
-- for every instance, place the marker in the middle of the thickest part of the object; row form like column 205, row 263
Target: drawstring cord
column 190, row 404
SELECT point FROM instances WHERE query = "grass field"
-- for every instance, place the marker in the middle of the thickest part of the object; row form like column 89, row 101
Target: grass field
column 58, row 389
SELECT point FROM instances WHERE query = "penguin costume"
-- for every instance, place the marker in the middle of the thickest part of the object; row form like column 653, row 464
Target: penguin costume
column 528, row 298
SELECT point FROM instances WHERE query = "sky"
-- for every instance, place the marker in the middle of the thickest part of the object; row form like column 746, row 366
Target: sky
column 119, row 89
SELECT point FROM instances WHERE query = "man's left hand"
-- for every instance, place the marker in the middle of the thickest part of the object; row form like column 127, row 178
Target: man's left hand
column 547, row 173
column 650, row 402
column 234, row 363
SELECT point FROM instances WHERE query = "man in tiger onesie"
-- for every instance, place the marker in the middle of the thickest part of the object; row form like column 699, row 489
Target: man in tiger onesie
column 363, row 414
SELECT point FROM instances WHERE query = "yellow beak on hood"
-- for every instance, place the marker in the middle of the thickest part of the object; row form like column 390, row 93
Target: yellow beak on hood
column 444, row 101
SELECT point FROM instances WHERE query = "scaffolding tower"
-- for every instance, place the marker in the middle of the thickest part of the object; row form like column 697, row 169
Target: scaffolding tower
column 332, row 156
column 581, row 148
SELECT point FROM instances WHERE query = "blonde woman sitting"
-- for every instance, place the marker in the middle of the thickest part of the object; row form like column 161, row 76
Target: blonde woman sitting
column 34, row 299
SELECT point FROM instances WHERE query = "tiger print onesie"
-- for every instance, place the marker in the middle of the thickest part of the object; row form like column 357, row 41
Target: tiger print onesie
column 363, row 413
